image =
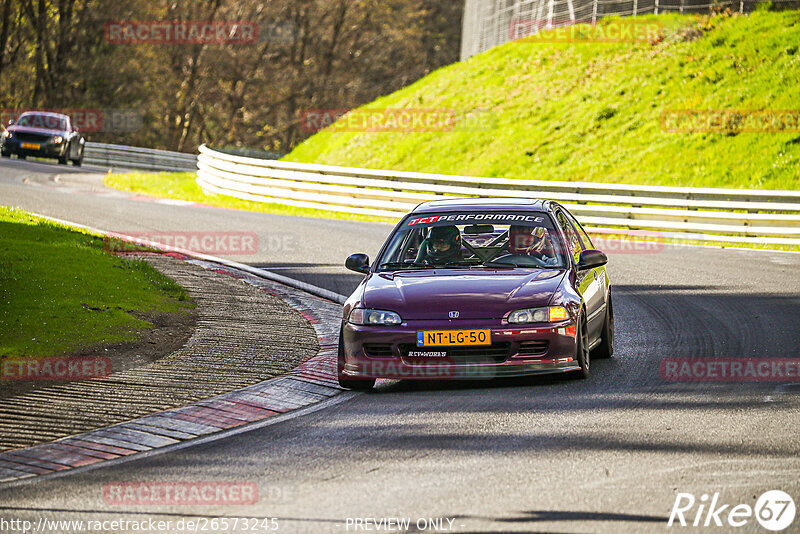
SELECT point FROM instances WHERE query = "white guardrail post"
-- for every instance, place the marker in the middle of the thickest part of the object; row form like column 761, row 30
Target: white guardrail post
column 704, row 214
column 129, row 157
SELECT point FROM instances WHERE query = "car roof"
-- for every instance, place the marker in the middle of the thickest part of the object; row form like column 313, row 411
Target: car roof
column 47, row 113
column 470, row 204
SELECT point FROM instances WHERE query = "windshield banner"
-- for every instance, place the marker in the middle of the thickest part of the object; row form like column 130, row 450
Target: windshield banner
column 523, row 219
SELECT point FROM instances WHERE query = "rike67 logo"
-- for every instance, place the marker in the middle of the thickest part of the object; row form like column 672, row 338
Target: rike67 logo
column 774, row 510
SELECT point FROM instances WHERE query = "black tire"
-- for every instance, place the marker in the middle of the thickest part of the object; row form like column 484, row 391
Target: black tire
column 62, row 160
column 356, row 384
column 5, row 154
column 582, row 348
column 78, row 162
column 606, row 347
column 21, row 156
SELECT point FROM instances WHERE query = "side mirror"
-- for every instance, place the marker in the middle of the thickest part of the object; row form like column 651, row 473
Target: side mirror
column 591, row 258
column 11, row 122
column 358, row 263
column 74, row 129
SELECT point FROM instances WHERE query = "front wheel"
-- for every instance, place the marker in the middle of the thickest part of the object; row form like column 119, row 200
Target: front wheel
column 582, row 348
column 357, row 384
column 62, row 160
column 79, row 161
column 606, row 347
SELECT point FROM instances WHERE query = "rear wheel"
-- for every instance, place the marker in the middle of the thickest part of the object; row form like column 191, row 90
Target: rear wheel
column 582, row 348
column 606, row 347
column 21, row 156
column 358, row 384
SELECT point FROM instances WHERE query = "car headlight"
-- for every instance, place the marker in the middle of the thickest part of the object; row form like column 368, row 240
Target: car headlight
column 58, row 139
column 553, row 314
column 7, row 134
column 361, row 316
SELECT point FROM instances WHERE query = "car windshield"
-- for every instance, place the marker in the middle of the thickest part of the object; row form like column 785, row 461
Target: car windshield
column 479, row 240
column 39, row 120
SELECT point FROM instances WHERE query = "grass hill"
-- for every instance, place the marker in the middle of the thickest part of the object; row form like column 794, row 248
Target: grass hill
column 606, row 112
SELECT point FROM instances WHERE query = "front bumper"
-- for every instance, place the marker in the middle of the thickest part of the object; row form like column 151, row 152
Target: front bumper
column 46, row 149
column 516, row 350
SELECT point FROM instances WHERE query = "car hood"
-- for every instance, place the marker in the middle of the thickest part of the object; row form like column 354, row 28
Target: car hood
column 29, row 129
column 473, row 294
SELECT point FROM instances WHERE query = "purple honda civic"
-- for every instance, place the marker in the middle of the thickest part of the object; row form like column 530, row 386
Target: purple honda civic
column 478, row 288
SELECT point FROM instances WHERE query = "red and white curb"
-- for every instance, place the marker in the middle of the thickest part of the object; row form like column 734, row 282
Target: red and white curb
column 312, row 381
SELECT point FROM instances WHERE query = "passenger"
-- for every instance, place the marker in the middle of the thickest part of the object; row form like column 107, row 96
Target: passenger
column 442, row 246
column 530, row 241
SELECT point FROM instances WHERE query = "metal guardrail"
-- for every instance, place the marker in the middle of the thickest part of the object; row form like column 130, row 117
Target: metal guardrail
column 703, row 214
column 129, row 157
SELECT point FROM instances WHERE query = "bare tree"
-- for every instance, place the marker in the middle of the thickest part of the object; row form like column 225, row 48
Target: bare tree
column 332, row 54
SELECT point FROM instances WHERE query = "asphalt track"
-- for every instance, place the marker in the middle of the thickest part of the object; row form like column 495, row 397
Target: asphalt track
column 608, row 454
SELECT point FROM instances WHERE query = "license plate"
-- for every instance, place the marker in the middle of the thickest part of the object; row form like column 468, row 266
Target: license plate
column 444, row 338
column 31, row 146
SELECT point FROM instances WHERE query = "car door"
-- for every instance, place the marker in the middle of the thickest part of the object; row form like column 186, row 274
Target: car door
column 585, row 280
column 599, row 280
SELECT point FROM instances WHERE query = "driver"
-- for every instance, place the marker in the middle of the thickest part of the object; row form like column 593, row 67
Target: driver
column 530, row 241
column 443, row 245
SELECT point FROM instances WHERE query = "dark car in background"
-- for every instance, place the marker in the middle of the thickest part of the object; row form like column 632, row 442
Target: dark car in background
column 478, row 288
column 45, row 135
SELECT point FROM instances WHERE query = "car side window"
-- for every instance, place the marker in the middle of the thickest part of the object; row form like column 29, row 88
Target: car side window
column 587, row 242
column 411, row 246
column 573, row 242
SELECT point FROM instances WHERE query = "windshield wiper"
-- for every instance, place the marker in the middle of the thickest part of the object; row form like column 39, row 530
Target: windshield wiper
column 463, row 263
column 508, row 264
column 475, row 262
column 500, row 264
column 400, row 264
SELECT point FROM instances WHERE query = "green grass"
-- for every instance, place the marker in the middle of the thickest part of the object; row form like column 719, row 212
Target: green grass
column 592, row 111
column 50, row 278
column 183, row 186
